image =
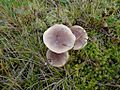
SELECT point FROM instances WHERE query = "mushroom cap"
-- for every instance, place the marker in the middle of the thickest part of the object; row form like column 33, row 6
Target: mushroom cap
column 59, row 38
column 81, row 37
column 57, row 60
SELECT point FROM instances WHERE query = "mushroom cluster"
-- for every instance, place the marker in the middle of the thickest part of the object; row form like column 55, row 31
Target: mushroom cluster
column 59, row 39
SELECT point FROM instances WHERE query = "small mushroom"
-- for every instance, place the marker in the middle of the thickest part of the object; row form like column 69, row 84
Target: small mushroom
column 59, row 38
column 81, row 37
column 57, row 60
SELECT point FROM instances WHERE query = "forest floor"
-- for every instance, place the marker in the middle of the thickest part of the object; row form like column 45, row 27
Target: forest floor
column 23, row 53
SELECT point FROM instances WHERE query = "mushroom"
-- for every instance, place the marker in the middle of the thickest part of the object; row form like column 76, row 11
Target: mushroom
column 59, row 38
column 81, row 37
column 57, row 60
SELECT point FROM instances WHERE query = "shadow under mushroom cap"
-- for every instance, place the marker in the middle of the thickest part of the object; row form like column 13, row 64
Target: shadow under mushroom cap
column 59, row 38
column 81, row 37
column 57, row 60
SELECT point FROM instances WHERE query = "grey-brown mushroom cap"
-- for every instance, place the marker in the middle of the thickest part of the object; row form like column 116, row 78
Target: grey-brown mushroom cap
column 57, row 60
column 81, row 37
column 59, row 38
